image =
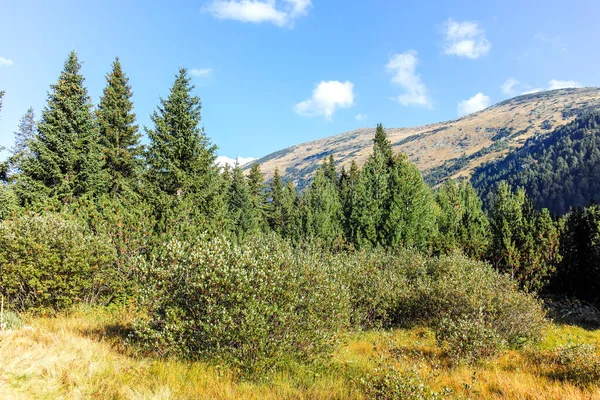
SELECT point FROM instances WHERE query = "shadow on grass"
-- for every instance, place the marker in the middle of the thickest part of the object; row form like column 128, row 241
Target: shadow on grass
column 573, row 312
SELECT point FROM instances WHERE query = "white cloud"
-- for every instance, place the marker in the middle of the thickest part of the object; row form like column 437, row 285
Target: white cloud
column 361, row 117
column 509, row 86
column 465, row 39
column 5, row 62
column 280, row 13
column 241, row 161
column 532, row 91
column 474, row 104
column 556, row 84
column 403, row 67
column 200, row 72
column 326, row 98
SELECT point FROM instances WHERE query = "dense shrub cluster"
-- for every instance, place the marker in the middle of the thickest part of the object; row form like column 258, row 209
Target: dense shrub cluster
column 254, row 305
column 258, row 304
column 49, row 262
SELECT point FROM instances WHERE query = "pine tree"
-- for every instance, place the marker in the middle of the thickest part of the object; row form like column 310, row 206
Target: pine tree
column 186, row 184
column 21, row 150
column 119, row 134
column 382, row 144
column 323, row 211
column 276, row 217
column 409, row 215
column 525, row 241
column 66, row 160
column 329, row 168
column 2, row 92
column 242, row 213
column 462, row 224
column 256, row 184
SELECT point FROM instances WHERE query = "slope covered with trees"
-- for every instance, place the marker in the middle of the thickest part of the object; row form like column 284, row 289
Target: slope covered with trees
column 558, row 172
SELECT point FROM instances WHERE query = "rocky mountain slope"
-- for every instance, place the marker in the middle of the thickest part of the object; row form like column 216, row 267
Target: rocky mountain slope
column 445, row 149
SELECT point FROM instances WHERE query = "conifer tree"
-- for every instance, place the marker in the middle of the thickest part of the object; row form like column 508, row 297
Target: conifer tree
column 371, row 197
column 276, row 217
column 323, row 211
column 1, row 98
column 292, row 208
column 185, row 182
column 119, row 134
column 242, row 215
column 21, row 150
column 256, row 184
column 409, row 215
column 329, row 168
column 66, row 157
column 347, row 184
column 525, row 241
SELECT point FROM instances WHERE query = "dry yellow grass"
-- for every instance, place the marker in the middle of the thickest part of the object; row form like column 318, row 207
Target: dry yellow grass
column 76, row 357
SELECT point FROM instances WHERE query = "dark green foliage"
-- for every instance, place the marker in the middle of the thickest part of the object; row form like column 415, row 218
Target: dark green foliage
column 21, row 150
column 462, row 224
column 185, row 183
column 258, row 191
column 322, row 209
column 579, row 272
column 119, row 134
column 48, row 262
column 525, row 241
column 242, row 211
column 391, row 206
column 347, row 184
column 558, row 171
column 409, row 218
column 256, row 305
column 66, row 161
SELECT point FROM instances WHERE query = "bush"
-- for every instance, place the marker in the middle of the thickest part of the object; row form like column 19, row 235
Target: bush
column 255, row 306
column 9, row 321
column 50, row 262
column 579, row 364
column 477, row 311
column 387, row 382
column 474, row 310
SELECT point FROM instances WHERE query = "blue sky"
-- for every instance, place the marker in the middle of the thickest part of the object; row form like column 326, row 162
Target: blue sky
column 273, row 73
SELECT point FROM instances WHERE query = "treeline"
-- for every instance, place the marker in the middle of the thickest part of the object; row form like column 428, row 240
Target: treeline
column 90, row 162
column 558, row 171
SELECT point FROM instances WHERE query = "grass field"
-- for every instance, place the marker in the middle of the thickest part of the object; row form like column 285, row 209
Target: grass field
column 81, row 355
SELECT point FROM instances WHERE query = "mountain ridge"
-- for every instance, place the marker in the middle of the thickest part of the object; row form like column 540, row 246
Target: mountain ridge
column 444, row 149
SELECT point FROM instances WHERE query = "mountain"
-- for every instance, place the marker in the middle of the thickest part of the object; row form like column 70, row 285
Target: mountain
column 445, row 149
column 558, row 171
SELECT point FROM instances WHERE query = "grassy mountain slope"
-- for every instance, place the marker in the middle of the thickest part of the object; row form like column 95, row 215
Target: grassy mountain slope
column 452, row 148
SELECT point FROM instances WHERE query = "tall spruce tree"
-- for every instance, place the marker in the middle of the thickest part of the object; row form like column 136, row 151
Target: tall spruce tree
column 256, row 184
column 276, row 217
column 119, row 135
column 2, row 92
column 409, row 213
column 347, row 184
column 66, row 160
column 462, row 224
column 242, row 212
column 322, row 211
column 186, row 185
column 21, row 149
column 371, row 197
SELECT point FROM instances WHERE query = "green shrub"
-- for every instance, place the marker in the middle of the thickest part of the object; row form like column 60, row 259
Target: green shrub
column 467, row 340
column 579, row 364
column 387, row 382
column 50, row 262
column 9, row 320
column 465, row 290
column 255, row 306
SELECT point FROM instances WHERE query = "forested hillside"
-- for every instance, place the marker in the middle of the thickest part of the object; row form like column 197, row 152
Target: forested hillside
column 559, row 171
